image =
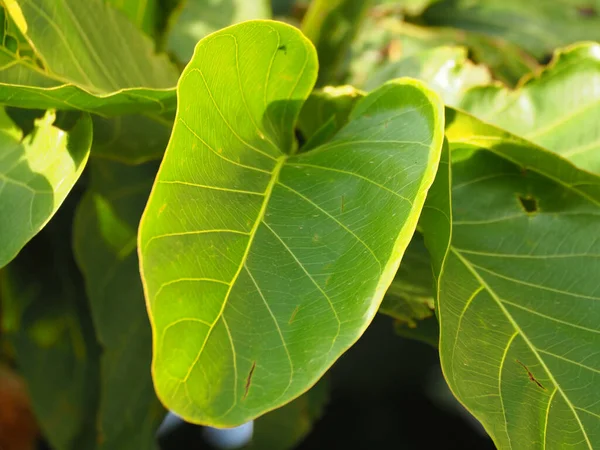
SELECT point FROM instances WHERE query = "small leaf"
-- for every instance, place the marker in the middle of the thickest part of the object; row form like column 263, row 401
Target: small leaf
column 518, row 295
column 332, row 25
column 277, row 262
column 286, row 427
column 325, row 112
column 447, row 70
column 199, row 18
column 36, row 174
column 53, row 336
column 558, row 109
column 104, row 240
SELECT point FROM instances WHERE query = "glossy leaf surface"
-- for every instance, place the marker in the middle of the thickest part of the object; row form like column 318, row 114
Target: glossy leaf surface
column 36, row 174
column 518, row 292
column 558, row 109
column 261, row 267
column 105, row 246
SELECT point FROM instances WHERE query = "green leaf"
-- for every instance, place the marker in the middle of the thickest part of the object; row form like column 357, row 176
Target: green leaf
column 286, row 427
column 260, row 272
column 387, row 40
column 130, row 139
column 53, row 336
column 36, row 174
column 410, row 296
column 558, row 109
column 110, row 68
column 325, row 112
column 105, row 243
column 537, row 26
column 518, row 292
column 199, row 18
column 332, row 25
column 143, row 13
column 447, row 70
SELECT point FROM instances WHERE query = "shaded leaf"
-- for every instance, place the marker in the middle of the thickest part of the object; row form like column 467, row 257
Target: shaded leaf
column 53, row 336
column 286, row 427
column 231, row 339
column 325, row 112
column 410, row 296
column 558, row 108
column 105, row 243
column 143, row 13
column 331, row 25
column 447, row 70
column 518, row 297
column 110, row 68
column 131, row 139
column 199, row 18
column 36, row 174
column 538, row 26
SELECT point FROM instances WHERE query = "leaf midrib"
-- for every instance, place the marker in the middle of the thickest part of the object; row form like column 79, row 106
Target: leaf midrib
column 518, row 329
column 259, row 219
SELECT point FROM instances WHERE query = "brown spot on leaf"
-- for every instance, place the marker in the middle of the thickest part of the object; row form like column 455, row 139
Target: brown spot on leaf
column 249, row 379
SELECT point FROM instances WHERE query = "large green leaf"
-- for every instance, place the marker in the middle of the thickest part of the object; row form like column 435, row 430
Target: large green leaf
column 36, row 174
column 538, row 26
column 331, row 25
column 558, row 109
column 88, row 56
column 199, row 18
column 45, row 317
column 105, row 242
column 261, row 267
column 518, row 293
column 447, row 70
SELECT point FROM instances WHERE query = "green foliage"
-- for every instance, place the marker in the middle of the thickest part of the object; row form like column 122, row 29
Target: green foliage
column 309, row 217
column 223, row 282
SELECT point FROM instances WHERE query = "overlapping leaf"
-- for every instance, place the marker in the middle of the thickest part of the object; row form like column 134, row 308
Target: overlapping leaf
column 518, row 293
column 88, row 57
column 105, row 243
column 261, row 266
column 558, row 109
column 36, row 174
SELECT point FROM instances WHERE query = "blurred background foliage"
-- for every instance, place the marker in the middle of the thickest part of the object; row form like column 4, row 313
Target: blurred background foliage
column 387, row 391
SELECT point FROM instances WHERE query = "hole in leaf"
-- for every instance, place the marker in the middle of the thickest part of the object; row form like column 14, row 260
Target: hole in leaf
column 529, row 204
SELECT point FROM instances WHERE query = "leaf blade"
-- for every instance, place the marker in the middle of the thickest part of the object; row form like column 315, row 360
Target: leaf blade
column 237, row 374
